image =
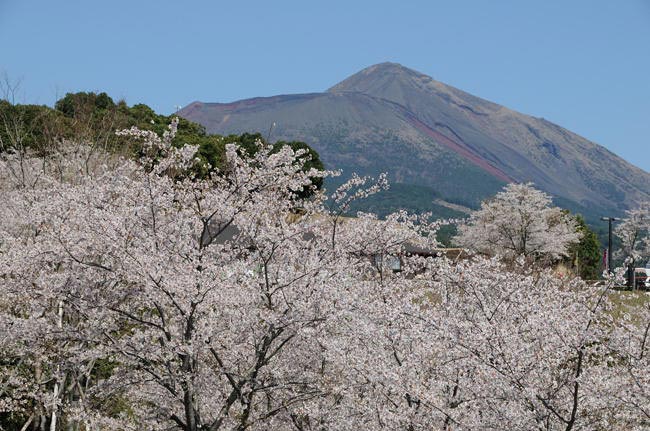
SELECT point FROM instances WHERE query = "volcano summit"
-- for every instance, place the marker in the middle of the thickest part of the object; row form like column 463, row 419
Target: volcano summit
column 438, row 139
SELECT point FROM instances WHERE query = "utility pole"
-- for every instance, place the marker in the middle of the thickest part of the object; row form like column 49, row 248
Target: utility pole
column 609, row 241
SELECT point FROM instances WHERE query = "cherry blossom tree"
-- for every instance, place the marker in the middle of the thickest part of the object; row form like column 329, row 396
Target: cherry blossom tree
column 506, row 351
column 634, row 233
column 134, row 296
column 519, row 221
column 41, row 365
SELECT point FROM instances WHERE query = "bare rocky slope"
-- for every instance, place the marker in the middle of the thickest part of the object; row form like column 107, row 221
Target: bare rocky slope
column 428, row 134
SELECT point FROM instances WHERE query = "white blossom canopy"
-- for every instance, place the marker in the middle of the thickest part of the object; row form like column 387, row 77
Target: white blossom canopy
column 519, row 221
column 119, row 312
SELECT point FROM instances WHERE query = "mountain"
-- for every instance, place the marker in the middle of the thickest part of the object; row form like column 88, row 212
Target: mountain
column 428, row 134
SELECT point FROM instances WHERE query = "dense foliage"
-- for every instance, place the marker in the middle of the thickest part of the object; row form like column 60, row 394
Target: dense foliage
column 134, row 296
column 586, row 255
column 94, row 118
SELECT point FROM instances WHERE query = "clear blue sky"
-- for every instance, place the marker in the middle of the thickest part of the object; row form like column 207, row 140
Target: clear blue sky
column 584, row 64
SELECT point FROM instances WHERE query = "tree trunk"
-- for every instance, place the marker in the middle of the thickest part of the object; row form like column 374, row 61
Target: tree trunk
column 55, row 394
column 190, row 416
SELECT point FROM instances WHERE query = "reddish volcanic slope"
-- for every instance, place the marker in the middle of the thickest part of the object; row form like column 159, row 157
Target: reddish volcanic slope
column 458, row 148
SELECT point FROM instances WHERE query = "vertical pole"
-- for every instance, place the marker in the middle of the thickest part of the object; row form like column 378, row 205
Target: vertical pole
column 609, row 221
column 609, row 247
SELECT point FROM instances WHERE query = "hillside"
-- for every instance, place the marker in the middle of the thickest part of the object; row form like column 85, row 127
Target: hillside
column 425, row 133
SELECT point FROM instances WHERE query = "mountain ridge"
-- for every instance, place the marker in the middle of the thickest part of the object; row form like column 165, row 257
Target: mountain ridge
column 427, row 133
